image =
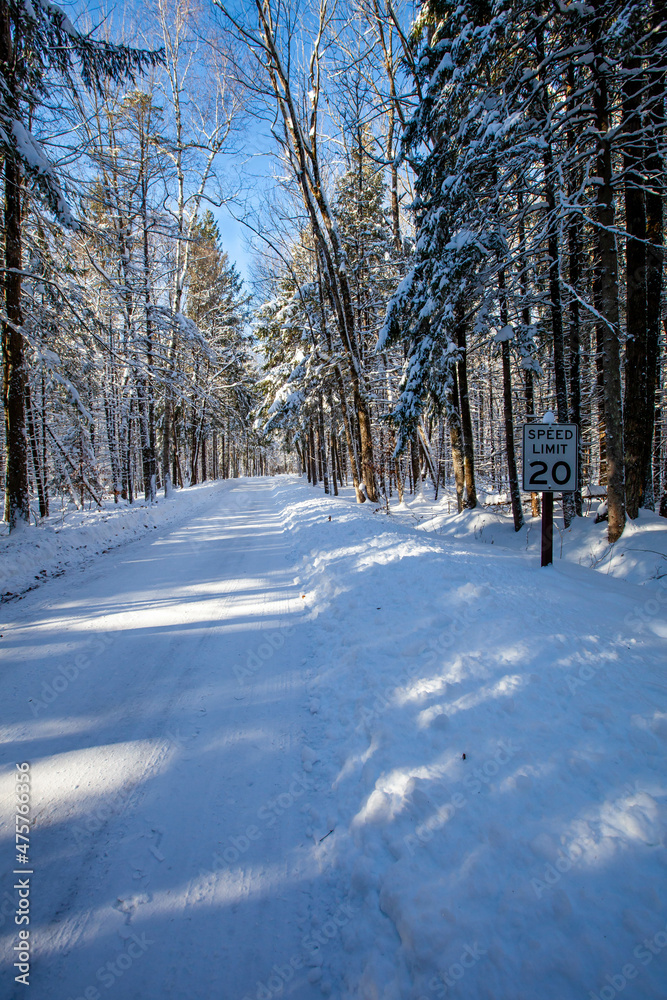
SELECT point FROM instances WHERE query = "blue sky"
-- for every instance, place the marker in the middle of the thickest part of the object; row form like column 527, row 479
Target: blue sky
column 234, row 240
column 234, row 234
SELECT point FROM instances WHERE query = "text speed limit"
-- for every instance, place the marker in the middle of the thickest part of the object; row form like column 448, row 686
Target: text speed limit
column 549, row 458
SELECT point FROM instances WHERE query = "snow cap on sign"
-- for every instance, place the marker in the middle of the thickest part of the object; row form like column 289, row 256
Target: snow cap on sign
column 549, row 417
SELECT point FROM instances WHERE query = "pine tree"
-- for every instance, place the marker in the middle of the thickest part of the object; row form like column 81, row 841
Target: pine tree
column 38, row 46
column 217, row 306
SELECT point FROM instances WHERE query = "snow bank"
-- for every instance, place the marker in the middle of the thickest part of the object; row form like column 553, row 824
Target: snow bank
column 639, row 556
column 490, row 743
column 73, row 538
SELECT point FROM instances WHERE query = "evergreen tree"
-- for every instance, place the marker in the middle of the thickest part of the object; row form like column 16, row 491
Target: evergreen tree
column 39, row 46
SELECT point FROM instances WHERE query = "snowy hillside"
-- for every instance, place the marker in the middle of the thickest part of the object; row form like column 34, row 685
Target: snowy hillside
column 295, row 747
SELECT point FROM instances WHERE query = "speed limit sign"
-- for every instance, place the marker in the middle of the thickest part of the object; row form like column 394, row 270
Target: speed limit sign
column 550, row 458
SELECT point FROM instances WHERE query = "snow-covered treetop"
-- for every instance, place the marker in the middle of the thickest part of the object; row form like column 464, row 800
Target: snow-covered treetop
column 40, row 46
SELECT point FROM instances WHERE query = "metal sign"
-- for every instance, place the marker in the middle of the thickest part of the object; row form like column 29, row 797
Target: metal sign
column 550, row 458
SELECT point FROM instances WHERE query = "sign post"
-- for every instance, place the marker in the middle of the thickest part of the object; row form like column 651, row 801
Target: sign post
column 547, row 528
column 550, row 464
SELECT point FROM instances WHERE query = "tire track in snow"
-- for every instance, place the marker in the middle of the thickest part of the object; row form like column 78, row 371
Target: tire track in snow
column 154, row 685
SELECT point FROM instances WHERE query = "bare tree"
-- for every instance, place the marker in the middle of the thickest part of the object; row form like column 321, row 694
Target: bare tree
column 295, row 87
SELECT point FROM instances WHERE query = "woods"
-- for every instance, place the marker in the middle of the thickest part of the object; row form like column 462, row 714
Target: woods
column 532, row 200
column 124, row 317
column 464, row 229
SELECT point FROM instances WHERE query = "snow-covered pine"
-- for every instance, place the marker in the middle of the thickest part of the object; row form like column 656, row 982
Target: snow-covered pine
column 517, row 157
column 39, row 46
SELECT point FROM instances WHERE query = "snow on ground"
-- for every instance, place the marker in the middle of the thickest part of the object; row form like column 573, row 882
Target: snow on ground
column 640, row 555
column 72, row 538
column 168, row 846
column 492, row 739
column 311, row 750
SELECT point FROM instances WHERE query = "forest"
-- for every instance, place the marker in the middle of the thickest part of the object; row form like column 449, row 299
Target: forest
column 455, row 218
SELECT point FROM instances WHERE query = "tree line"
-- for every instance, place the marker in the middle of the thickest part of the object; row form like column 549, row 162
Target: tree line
column 126, row 366
column 465, row 230
column 523, row 270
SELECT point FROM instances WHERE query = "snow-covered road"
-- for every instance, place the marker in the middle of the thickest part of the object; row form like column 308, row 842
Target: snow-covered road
column 294, row 747
column 168, row 850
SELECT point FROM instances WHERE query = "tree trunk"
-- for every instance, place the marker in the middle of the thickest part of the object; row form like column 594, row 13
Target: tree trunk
column 399, row 479
column 111, row 415
column 147, row 404
column 654, row 233
column 528, row 386
column 415, row 463
column 304, row 156
column 311, row 455
column 335, row 472
column 607, row 263
column 323, row 447
column 550, row 181
column 515, row 493
column 17, row 498
column 349, row 439
column 147, row 453
column 599, row 375
column 456, row 437
column 38, row 469
column 575, row 251
column 466, row 419
column 635, row 408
